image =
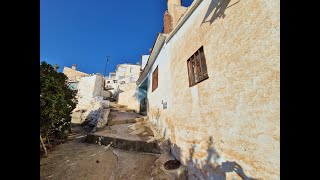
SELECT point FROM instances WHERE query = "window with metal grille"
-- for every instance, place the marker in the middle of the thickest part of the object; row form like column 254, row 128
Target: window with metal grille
column 197, row 67
column 155, row 79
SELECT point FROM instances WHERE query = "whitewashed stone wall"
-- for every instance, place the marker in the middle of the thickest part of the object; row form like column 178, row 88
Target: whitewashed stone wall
column 231, row 119
column 90, row 105
column 128, row 96
column 90, row 87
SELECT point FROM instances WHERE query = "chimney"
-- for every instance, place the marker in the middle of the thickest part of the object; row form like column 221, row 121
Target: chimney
column 172, row 15
column 74, row 66
column 173, row 2
column 167, row 23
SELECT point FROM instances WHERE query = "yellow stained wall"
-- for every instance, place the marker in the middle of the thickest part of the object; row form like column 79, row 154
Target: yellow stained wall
column 73, row 74
column 235, row 114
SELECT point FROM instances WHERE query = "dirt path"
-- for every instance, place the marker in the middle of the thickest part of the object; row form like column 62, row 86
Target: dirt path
column 78, row 160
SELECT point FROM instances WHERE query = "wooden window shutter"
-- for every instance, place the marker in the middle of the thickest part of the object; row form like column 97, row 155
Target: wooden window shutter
column 197, row 67
column 155, row 79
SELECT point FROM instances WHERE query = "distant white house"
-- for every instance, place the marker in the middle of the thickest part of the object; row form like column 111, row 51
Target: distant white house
column 124, row 74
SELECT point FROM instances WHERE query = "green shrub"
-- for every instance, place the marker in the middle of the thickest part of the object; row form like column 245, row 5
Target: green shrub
column 56, row 101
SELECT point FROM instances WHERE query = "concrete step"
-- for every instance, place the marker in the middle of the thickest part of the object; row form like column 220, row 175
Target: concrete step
column 128, row 134
column 114, row 109
column 125, row 144
column 126, row 121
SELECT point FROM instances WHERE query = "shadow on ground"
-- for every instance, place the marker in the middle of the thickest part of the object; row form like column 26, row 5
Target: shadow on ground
column 210, row 168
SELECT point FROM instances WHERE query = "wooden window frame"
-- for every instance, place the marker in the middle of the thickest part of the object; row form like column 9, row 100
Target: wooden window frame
column 198, row 65
column 155, row 79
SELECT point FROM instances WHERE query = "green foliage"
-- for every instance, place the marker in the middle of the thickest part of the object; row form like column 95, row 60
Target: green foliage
column 56, row 101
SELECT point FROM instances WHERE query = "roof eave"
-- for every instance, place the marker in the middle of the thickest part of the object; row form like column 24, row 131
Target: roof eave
column 153, row 56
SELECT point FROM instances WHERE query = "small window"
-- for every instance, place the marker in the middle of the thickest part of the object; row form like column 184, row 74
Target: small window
column 197, row 67
column 122, row 82
column 155, row 79
column 115, row 81
column 108, row 82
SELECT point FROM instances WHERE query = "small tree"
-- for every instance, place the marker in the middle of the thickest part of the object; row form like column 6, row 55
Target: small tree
column 56, row 102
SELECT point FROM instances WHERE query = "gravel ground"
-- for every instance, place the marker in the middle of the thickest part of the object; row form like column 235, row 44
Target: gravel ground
column 77, row 160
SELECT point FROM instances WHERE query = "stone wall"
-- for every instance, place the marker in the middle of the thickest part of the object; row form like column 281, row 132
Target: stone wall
column 230, row 122
column 90, row 107
column 93, row 113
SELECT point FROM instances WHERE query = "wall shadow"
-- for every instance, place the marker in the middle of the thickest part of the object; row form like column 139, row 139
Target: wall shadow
column 116, row 94
column 91, row 120
column 210, row 168
column 218, row 8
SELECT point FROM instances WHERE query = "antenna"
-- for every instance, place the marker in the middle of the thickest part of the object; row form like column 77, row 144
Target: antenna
column 105, row 68
column 104, row 75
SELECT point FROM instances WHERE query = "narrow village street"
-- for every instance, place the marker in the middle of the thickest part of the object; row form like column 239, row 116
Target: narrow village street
column 81, row 157
column 175, row 89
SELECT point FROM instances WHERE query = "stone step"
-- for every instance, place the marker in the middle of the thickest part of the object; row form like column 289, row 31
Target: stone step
column 126, row 121
column 124, row 143
column 128, row 134
column 111, row 123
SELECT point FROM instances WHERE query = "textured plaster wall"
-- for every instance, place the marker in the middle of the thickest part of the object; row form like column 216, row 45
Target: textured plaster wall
column 167, row 23
column 176, row 12
column 90, row 87
column 90, row 101
column 234, row 116
column 73, row 74
column 128, row 96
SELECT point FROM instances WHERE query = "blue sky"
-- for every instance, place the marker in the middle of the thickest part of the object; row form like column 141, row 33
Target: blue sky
column 84, row 32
